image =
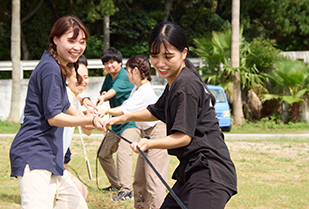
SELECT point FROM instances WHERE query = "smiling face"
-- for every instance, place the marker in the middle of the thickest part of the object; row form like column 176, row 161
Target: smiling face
column 113, row 67
column 169, row 62
column 69, row 49
column 72, row 81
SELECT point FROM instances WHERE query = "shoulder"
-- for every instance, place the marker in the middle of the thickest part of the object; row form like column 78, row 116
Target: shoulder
column 122, row 73
column 48, row 65
column 186, row 81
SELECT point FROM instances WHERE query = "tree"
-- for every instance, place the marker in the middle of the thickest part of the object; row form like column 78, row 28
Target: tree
column 103, row 10
column 237, row 104
column 167, row 10
column 291, row 80
column 15, row 56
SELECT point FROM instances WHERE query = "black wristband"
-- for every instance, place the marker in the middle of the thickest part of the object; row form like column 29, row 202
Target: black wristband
column 93, row 120
column 84, row 99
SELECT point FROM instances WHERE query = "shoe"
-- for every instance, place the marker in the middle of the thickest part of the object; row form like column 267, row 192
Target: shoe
column 110, row 189
column 126, row 195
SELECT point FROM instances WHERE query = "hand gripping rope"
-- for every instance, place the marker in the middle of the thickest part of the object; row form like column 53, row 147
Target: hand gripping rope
column 154, row 169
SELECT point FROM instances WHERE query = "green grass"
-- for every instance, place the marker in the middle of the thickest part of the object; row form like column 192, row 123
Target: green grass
column 271, row 174
column 6, row 127
column 270, row 125
column 266, row 126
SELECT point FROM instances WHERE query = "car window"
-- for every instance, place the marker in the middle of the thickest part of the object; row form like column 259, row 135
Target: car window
column 218, row 94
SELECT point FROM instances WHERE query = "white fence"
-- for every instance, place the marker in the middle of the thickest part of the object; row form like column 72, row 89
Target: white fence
column 91, row 91
column 92, row 64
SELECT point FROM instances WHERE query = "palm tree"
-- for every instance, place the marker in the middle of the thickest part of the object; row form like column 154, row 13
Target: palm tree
column 291, row 81
column 237, row 104
column 216, row 53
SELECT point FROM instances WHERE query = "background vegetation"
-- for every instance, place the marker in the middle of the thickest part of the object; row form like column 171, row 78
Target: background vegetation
column 283, row 21
column 277, row 85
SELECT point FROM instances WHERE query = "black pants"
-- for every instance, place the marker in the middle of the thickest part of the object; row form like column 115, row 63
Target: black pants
column 198, row 191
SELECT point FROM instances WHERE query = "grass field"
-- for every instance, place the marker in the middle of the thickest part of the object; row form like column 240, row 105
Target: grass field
column 271, row 174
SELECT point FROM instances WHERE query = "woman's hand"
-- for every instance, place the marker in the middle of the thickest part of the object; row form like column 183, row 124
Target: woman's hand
column 102, row 112
column 98, row 123
column 89, row 104
column 144, row 144
column 112, row 121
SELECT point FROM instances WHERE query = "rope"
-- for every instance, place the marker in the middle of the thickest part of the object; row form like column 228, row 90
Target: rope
column 155, row 170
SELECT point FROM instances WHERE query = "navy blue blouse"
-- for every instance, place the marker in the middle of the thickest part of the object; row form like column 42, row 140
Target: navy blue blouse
column 37, row 143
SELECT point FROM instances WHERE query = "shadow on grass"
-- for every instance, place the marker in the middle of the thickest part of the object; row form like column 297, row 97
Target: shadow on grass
column 10, row 198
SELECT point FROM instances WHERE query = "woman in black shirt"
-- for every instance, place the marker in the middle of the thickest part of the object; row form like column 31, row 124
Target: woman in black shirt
column 206, row 176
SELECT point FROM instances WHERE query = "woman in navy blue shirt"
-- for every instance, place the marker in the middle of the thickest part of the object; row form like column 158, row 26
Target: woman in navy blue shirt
column 36, row 153
column 206, row 176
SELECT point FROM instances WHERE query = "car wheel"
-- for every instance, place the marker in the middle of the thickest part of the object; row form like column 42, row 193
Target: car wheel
column 226, row 129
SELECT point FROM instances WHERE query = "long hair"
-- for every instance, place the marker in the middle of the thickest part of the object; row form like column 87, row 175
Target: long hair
column 170, row 32
column 142, row 64
column 62, row 26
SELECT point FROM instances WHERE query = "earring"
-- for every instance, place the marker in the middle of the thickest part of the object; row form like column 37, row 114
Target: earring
column 67, row 82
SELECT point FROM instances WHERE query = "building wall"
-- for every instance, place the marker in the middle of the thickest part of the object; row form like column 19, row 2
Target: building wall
column 92, row 91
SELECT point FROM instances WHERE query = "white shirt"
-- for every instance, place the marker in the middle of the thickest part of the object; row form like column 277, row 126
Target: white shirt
column 139, row 99
column 68, row 131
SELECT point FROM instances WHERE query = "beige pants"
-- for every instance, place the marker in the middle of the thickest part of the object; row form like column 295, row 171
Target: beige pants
column 41, row 189
column 149, row 191
column 120, row 176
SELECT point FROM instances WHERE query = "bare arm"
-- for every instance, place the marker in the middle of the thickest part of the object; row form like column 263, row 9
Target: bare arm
column 86, row 102
column 65, row 120
column 142, row 115
column 106, row 96
column 175, row 140
column 116, row 111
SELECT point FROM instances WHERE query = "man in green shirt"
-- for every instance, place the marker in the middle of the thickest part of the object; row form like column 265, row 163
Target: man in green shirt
column 116, row 89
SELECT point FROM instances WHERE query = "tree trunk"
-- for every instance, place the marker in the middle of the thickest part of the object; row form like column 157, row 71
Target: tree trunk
column 15, row 56
column 24, row 46
column 106, row 32
column 167, row 10
column 237, row 104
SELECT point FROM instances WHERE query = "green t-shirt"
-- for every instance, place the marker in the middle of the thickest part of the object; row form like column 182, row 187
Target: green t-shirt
column 121, row 84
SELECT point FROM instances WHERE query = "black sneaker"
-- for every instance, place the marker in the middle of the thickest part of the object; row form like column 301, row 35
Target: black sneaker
column 126, row 195
column 110, row 189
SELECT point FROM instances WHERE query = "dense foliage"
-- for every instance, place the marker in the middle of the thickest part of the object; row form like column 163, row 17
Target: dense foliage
column 132, row 20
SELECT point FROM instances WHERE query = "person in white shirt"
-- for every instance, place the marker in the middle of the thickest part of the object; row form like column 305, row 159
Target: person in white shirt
column 73, row 90
column 149, row 191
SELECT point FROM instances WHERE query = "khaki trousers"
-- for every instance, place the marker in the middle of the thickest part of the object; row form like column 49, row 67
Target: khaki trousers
column 120, row 176
column 41, row 189
column 149, row 191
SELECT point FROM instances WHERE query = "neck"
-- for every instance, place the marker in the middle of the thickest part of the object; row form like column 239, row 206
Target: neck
column 142, row 82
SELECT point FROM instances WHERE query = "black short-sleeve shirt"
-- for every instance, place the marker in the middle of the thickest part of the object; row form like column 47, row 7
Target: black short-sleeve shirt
column 187, row 107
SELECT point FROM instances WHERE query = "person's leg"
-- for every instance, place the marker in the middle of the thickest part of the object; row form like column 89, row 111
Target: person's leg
column 37, row 189
column 139, row 184
column 105, row 155
column 170, row 202
column 124, row 158
column 156, row 190
column 80, row 186
column 199, row 191
column 67, row 194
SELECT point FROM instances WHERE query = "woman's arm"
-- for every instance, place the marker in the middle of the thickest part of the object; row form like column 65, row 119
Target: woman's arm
column 116, row 111
column 142, row 115
column 175, row 140
column 65, row 120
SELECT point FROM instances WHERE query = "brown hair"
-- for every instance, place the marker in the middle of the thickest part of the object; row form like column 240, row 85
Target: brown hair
column 60, row 27
column 143, row 65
